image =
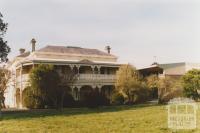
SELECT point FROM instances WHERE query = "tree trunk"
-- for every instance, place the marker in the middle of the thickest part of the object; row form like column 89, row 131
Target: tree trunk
column 3, row 103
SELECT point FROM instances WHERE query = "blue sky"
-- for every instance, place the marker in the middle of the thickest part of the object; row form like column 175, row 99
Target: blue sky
column 136, row 30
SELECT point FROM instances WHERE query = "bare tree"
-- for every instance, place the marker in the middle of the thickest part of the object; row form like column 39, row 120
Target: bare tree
column 4, row 80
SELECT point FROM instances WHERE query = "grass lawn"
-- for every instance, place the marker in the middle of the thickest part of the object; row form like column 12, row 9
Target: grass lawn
column 118, row 119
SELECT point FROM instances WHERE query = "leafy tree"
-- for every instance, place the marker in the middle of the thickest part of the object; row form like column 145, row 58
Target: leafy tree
column 68, row 78
column 128, row 82
column 45, row 84
column 48, row 86
column 191, row 84
column 4, row 79
column 168, row 88
column 152, row 83
column 4, row 48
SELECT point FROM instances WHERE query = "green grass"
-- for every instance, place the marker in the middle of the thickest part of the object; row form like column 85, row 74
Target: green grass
column 118, row 119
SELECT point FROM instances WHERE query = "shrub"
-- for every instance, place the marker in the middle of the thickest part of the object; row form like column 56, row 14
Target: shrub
column 94, row 99
column 169, row 88
column 117, row 98
column 141, row 95
column 170, row 95
column 68, row 100
column 30, row 100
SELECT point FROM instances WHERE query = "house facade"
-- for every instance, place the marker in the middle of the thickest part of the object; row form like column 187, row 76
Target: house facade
column 95, row 69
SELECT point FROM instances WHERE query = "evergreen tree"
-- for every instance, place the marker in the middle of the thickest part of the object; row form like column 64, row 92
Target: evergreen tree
column 4, row 48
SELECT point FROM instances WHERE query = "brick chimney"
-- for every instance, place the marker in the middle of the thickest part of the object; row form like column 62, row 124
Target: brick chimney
column 33, row 42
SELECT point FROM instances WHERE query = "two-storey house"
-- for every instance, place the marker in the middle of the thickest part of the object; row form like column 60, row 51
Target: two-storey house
column 95, row 69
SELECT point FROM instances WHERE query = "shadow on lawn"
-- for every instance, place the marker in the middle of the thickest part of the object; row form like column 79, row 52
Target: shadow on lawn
column 37, row 113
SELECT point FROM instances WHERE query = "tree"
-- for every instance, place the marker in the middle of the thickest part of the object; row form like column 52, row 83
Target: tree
column 67, row 79
column 191, row 84
column 168, row 88
column 129, row 82
column 152, row 83
column 4, row 48
column 48, row 86
column 45, row 84
column 4, row 79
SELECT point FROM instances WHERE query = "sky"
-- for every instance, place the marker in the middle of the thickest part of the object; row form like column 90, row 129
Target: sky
column 138, row 31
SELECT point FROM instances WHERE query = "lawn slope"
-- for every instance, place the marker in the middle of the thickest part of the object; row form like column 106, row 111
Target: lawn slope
column 118, row 119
